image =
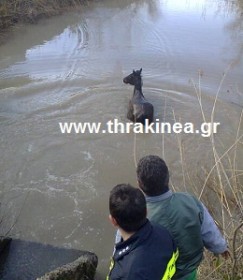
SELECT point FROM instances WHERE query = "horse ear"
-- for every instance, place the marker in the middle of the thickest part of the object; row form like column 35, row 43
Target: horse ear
column 141, row 70
column 133, row 71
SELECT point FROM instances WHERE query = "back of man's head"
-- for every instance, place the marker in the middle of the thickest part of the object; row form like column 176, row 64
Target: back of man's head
column 128, row 207
column 153, row 175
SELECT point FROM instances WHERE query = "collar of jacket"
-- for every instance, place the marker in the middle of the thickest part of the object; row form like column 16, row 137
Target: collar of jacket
column 125, row 247
column 159, row 197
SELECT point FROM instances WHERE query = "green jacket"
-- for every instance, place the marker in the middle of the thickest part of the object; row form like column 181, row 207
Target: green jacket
column 182, row 215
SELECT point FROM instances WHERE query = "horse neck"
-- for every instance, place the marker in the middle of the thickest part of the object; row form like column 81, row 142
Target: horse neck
column 138, row 89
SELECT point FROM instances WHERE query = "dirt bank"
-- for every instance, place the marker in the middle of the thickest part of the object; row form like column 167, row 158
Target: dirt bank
column 14, row 11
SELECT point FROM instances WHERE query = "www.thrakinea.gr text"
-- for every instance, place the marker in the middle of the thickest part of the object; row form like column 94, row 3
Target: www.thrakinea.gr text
column 205, row 129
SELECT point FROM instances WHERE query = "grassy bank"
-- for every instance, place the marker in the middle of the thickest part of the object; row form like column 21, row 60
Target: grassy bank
column 222, row 193
column 14, row 11
column 218, row 183
column 221, row 190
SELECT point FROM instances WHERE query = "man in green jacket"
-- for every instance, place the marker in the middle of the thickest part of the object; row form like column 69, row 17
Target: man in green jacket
column 186, row 218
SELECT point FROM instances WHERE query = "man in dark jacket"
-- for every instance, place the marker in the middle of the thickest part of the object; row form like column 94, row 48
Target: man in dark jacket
column 146, row 251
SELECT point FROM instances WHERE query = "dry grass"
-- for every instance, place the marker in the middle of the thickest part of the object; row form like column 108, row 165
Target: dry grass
column 13, row 11
column 222, row 193
column 221, row 190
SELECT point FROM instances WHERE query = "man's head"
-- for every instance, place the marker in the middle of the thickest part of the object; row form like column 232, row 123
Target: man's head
column 127, row 207
column 153, row 175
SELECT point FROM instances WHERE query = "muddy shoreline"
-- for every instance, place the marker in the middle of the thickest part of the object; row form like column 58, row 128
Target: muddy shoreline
column 14, row 12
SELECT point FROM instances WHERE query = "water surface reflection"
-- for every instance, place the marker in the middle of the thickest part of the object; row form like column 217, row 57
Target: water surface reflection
column 70, row 68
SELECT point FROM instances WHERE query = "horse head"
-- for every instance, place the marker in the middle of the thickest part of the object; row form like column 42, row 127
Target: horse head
column 134, row 78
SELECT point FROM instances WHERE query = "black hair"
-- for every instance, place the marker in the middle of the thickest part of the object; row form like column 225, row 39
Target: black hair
column 153, row 175
column 128, row 206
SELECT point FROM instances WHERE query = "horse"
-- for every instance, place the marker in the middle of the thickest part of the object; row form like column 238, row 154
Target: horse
column 139, row 108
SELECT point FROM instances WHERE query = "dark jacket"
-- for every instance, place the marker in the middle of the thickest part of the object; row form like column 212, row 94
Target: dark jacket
column 149, row 254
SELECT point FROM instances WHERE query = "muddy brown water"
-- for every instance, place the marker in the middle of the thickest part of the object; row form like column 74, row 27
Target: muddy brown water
column 54, row 186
